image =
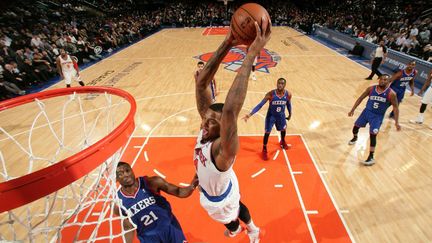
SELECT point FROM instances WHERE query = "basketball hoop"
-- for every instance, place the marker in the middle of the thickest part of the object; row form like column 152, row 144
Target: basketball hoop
column 78, row 178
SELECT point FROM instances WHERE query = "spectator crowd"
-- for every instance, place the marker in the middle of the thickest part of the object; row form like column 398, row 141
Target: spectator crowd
column 33, row 32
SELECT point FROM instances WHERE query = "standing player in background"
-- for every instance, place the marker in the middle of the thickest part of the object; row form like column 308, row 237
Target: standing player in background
column 380, row 98
column 253, row 68
column 67, row 67
column 213, row 88
column 400, row 80
column 148, row 209
column 279, row 99
column 427, row 99
column 218, row 143
column 254, row 78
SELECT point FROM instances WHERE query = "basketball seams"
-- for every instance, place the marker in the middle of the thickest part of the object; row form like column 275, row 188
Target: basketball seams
column 245, row 33
column 238, row 28
column 260, row 23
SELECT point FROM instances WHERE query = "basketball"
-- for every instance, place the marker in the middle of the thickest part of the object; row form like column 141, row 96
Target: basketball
column 242, row 22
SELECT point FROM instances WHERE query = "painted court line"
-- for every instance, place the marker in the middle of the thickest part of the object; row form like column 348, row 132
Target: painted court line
column 278, row 185
column 328, row 191
column 158, row 173
column 183, row 184
column 145, row 156
column 312, row 211
column 154, row 129
column 297, row 172
column 258, row 173
column 309, row 225
column 344, row 211
column 276, row 155
column 138, row 146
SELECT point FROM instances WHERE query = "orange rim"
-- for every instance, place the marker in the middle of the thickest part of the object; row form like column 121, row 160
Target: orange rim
column 30, row 187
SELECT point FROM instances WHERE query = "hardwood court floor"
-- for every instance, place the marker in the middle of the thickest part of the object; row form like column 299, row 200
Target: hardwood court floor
column 388, row 202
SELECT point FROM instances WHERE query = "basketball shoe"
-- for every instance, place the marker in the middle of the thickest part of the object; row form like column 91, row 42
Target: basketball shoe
column 264, row 154
column 284, row 145
column 254, row 236
column 229, row 233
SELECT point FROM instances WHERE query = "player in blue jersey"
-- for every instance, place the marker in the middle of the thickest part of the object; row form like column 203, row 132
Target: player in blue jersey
column 278, row 99
column 401, row 79
column 213, row 87
column 147, row 208
column 380, row 98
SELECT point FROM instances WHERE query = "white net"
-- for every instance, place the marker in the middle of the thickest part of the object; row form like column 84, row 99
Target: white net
column 41, row 133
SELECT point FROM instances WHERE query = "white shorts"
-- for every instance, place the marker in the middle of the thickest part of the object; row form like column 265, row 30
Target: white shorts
column 228, row 209
column 68, row 76
column 427, row 97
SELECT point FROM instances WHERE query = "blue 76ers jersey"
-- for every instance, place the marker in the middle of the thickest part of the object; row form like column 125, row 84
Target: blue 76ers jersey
column 150, row 211
column 399, row 85
column 278, row 104
column 378, row 102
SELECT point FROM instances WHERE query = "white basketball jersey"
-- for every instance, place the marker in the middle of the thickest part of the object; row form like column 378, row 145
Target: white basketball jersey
column 213, row 181
column 67, row 65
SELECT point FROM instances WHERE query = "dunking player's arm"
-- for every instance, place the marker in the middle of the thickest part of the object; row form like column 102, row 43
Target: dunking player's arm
column 225, row 149
column 203, row 92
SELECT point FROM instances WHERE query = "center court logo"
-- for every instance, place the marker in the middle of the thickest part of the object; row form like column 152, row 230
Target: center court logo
column 234, row 59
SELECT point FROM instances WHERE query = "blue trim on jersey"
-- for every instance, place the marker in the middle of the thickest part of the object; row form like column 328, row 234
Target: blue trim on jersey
column 217, row 198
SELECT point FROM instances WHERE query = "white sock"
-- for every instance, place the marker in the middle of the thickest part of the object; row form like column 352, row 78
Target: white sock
column 237, row 230
column 420, row 117
column 251, row 226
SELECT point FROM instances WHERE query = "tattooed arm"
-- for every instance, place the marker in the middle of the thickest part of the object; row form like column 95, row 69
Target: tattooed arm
column 202, row 84
column 225, row 148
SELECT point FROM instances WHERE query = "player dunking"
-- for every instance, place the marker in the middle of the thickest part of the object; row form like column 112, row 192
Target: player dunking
column 401, row 79
column 380, row 98
column 68, row 68
column 218, row 143
column 279, row 99
column 149, row 210
column 213, row 88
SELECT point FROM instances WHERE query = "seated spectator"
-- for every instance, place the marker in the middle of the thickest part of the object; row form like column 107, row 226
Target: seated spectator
column 10, row 87
column 10, row 77
column 427, row 53
column 391, row 43
column 357, row 50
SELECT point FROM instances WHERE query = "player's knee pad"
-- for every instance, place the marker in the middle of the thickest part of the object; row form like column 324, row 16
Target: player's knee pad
column 373, row 140
column 244, row 214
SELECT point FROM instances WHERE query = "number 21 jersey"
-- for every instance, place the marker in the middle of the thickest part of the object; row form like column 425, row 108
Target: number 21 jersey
column 150, row 211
